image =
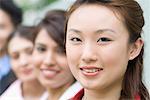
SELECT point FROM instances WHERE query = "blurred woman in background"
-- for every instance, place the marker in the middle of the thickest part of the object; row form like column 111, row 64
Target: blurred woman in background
column 10, row 18
column 20, row 46
column 50, row 59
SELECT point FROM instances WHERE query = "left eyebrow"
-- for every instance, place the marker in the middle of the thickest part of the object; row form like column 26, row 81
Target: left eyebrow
column 74, row 30
column 104, row 30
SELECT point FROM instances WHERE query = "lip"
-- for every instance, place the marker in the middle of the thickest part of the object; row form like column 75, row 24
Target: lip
column 27, row 71
column 49, row 72
column 91, row 70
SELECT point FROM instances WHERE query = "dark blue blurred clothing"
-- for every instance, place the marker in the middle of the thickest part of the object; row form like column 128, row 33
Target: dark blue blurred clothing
column 6, row 81
column 7, row 76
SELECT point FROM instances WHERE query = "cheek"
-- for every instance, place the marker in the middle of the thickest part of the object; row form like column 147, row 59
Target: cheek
column 34, row 71
column 15, row 66
column 61, row 61
column 37, row 59
column 116, row 59
column 117, row 50
column 6, row 32
column 72, row 62
column 72, row 55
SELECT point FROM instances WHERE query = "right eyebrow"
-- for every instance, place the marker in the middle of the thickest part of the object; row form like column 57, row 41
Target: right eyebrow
column 74, row 30
column 39, row 44
column 104, row 30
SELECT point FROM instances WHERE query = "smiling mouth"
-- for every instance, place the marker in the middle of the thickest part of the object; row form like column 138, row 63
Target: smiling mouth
column 91, row 70
column 27, row 71
column 49, row 73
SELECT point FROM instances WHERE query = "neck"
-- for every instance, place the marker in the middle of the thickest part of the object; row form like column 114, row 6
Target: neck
column 32, row 89
column 56, row 93
column 109, row 93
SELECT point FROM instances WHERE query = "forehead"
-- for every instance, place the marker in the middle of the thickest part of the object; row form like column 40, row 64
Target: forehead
column 92, row 13
column 91, row 17
column 4, row 17
column 18, row 44
column 44, row 38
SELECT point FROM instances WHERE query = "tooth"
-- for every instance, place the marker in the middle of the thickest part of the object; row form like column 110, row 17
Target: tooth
column 91, row 70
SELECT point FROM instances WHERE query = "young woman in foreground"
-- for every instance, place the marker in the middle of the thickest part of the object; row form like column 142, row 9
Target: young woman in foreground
column 105, row 49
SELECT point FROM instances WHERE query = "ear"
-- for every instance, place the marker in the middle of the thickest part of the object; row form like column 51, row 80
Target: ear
column 135, row 48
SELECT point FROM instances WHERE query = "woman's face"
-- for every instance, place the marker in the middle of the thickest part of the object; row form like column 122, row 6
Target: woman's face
column 97, row 47
column 50, row 61
column 6, row 27
column 20, row 50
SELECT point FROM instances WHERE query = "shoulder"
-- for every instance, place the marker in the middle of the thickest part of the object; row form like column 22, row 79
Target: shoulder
column 79, row 95
column 14, row 91
column 44, row 96
column 71, row 91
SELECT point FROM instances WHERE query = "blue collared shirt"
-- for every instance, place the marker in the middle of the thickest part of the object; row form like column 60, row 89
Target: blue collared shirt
column 4, row 65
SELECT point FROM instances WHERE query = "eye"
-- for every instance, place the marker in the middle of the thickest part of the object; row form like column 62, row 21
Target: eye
column 14, row 56
column 103, row 39
column 40, row 49
column 75, row 39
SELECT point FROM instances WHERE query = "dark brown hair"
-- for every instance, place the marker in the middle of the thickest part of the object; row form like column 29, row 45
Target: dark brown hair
column 53, row 23
column 15, row 13
column 25, row 32
column 132, row 17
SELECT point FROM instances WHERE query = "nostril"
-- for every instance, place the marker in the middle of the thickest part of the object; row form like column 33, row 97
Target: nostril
column 81, row 69
column 100, row 69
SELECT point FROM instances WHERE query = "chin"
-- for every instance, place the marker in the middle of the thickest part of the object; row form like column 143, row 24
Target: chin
column 52, row 85
column 90, row 85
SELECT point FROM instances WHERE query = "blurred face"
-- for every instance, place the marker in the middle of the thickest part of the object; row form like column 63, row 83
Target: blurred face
column 20, row 50
column 97, row 47
column 50, row 61
column 6, row 27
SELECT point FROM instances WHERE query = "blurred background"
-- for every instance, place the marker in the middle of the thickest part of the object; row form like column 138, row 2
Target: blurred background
column 34, row 10
column 145, row 5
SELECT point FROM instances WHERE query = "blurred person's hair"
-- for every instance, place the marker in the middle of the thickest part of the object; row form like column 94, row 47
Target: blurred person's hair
column 53, row 23
column 25, row 32
column 12, row 10
column 16, row 16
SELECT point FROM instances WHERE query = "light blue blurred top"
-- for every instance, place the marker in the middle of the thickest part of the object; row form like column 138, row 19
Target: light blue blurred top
column 4, row 65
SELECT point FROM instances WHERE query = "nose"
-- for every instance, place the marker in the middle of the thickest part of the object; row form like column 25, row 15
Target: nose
column 49, row 59
column 89, row 53
column 23, row 60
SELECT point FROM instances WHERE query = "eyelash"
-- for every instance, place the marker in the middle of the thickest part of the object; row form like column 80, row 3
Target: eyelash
column 40, row 49
column 103, row 39
column 75, row 39
column 16, row 56
column 100, row 41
